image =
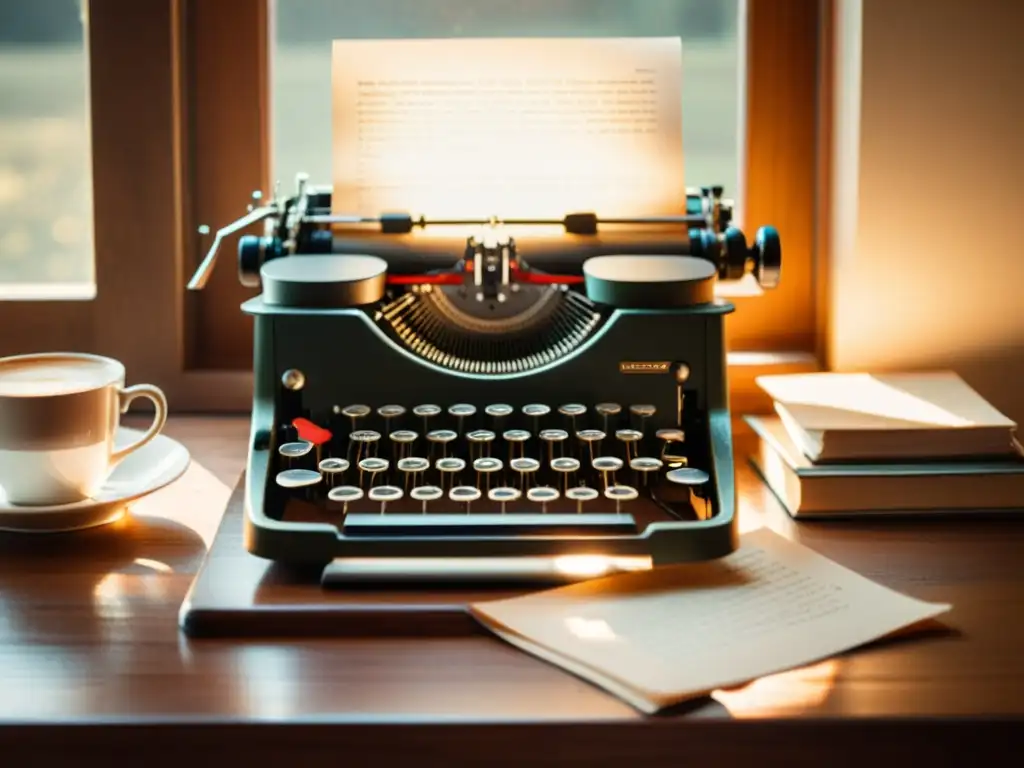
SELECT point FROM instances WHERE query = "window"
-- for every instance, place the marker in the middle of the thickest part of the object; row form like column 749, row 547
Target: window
column 196, row 104
column 45, row 181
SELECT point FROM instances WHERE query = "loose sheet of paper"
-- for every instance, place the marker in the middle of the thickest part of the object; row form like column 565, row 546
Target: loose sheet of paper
column 675, row 633
column 514, row 128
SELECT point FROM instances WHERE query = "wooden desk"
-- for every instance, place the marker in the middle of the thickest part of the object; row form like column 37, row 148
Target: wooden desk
column 93, row 668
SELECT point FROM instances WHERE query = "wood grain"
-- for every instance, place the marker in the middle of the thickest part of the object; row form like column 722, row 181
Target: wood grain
column 94, row 670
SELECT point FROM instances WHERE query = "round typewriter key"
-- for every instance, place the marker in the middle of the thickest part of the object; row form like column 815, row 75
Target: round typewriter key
column 449, row 468
column 462, row 411
column 372, row 466
column 413, row 464
column 566, row 465
column 442, row 437
column 544, row 495
column 498, row 410
column 503, row 496
column 591, row 437
column 345, row 494
column 572, row 409
column 480, row 442
column 629, row 437
column 607, row 409
column 295, row 450
column 298, row 478
column 426, row 412
column 644, row 411
column 464, row 494
column 524, row 466
column 619, row 494
column 333, row 468
column 645, row 465
column 365, row 436
column 486, row 466
column 535, row 410
column 606, row 464
column 426, row 494
column 687, row 476
column 391, row 411
column 580, row 495
column 670, row 435
column 552, row 436
column 402, row 440
column 516, row 437
column 384, row 494
column 355, row 412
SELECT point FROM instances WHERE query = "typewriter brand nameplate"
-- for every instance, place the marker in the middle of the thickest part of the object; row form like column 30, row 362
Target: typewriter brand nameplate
column 630, row 366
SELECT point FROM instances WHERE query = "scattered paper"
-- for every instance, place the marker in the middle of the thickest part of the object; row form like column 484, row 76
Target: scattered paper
column 661, row 637
column 513, row 128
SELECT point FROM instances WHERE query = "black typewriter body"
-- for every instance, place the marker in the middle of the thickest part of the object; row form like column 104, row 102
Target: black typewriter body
column 490, row 413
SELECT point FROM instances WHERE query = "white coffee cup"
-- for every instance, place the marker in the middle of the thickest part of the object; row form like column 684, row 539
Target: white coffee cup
column 59, row 413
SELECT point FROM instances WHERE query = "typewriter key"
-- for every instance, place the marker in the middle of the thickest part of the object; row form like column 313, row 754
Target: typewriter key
column 384, row 494
column 373, row 467
column 591, row 437
column 333, row 469
column 607, row 409
column 552, row 436
column 480, row 442
column 645, row 465
column 426, row 412
column 565, row 465
column 524, row 466
column 688, row 476
column 401, row 441
column 671, row 456
column 571, row 411
column 544, row 495
column 364, row 440
column 606, row 464
column 498, row 411
column 486, row 466
column 619, row 494
column 426, row 494
column 516, row 437
column 464, row 494
column 536, row 411
column 580, row 495
column 388, row 412
column 344, row 494
column 411, row 466
column 295, row 450
column 355, row 412
column 449, row 469
column 629, row 437
column 503, row 496
column 462, row 411
column 298, row 478
column 441, row 437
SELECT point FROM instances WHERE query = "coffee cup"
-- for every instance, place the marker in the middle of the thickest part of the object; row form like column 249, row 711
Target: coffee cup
column 59, row 414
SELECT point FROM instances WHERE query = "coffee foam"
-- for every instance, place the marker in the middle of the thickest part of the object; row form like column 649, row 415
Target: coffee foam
column 48, row 376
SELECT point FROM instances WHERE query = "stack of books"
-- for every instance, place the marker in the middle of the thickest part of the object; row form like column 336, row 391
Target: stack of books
column 852, row 444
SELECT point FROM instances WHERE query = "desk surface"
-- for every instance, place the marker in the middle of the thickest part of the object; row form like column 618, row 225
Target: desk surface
column 88, row 637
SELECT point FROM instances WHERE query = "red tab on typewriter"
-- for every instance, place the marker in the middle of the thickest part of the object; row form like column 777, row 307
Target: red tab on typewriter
column 311, row 432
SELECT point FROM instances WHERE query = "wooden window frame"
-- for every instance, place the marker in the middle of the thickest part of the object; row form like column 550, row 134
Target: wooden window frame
column 180, row 109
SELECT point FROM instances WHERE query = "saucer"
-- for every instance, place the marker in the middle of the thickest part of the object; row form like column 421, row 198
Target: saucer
column 156, row 464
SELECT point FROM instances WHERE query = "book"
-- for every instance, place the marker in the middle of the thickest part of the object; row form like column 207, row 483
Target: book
column 659, row 638
column 874, row 417
column 806, row 489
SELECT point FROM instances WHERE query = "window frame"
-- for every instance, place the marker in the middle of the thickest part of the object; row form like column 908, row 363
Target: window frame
column 200, row 146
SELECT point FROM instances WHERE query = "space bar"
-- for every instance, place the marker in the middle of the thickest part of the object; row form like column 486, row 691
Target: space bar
column 513, row 524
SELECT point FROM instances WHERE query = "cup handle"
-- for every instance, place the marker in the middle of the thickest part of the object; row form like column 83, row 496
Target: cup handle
column 126, row 396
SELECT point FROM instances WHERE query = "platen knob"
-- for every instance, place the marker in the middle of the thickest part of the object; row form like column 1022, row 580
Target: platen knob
column 253, row 253
column 767, row 252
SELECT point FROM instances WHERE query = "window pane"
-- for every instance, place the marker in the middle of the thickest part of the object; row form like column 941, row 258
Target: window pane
column 45, row 179
column 304, row 29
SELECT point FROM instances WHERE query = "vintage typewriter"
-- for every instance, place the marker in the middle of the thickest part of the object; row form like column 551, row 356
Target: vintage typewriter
column 519, row 399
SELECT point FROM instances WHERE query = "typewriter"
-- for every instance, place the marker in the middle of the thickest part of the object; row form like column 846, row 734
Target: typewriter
column 522, row 399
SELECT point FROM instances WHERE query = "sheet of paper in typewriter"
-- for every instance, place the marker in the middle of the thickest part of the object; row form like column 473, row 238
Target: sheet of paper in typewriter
column 516, row 127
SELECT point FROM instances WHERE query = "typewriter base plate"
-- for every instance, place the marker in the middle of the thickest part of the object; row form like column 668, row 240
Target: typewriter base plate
column 237, row 594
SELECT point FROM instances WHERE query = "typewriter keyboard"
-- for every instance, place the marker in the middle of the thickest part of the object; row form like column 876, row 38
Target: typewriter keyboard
column 468, row 470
